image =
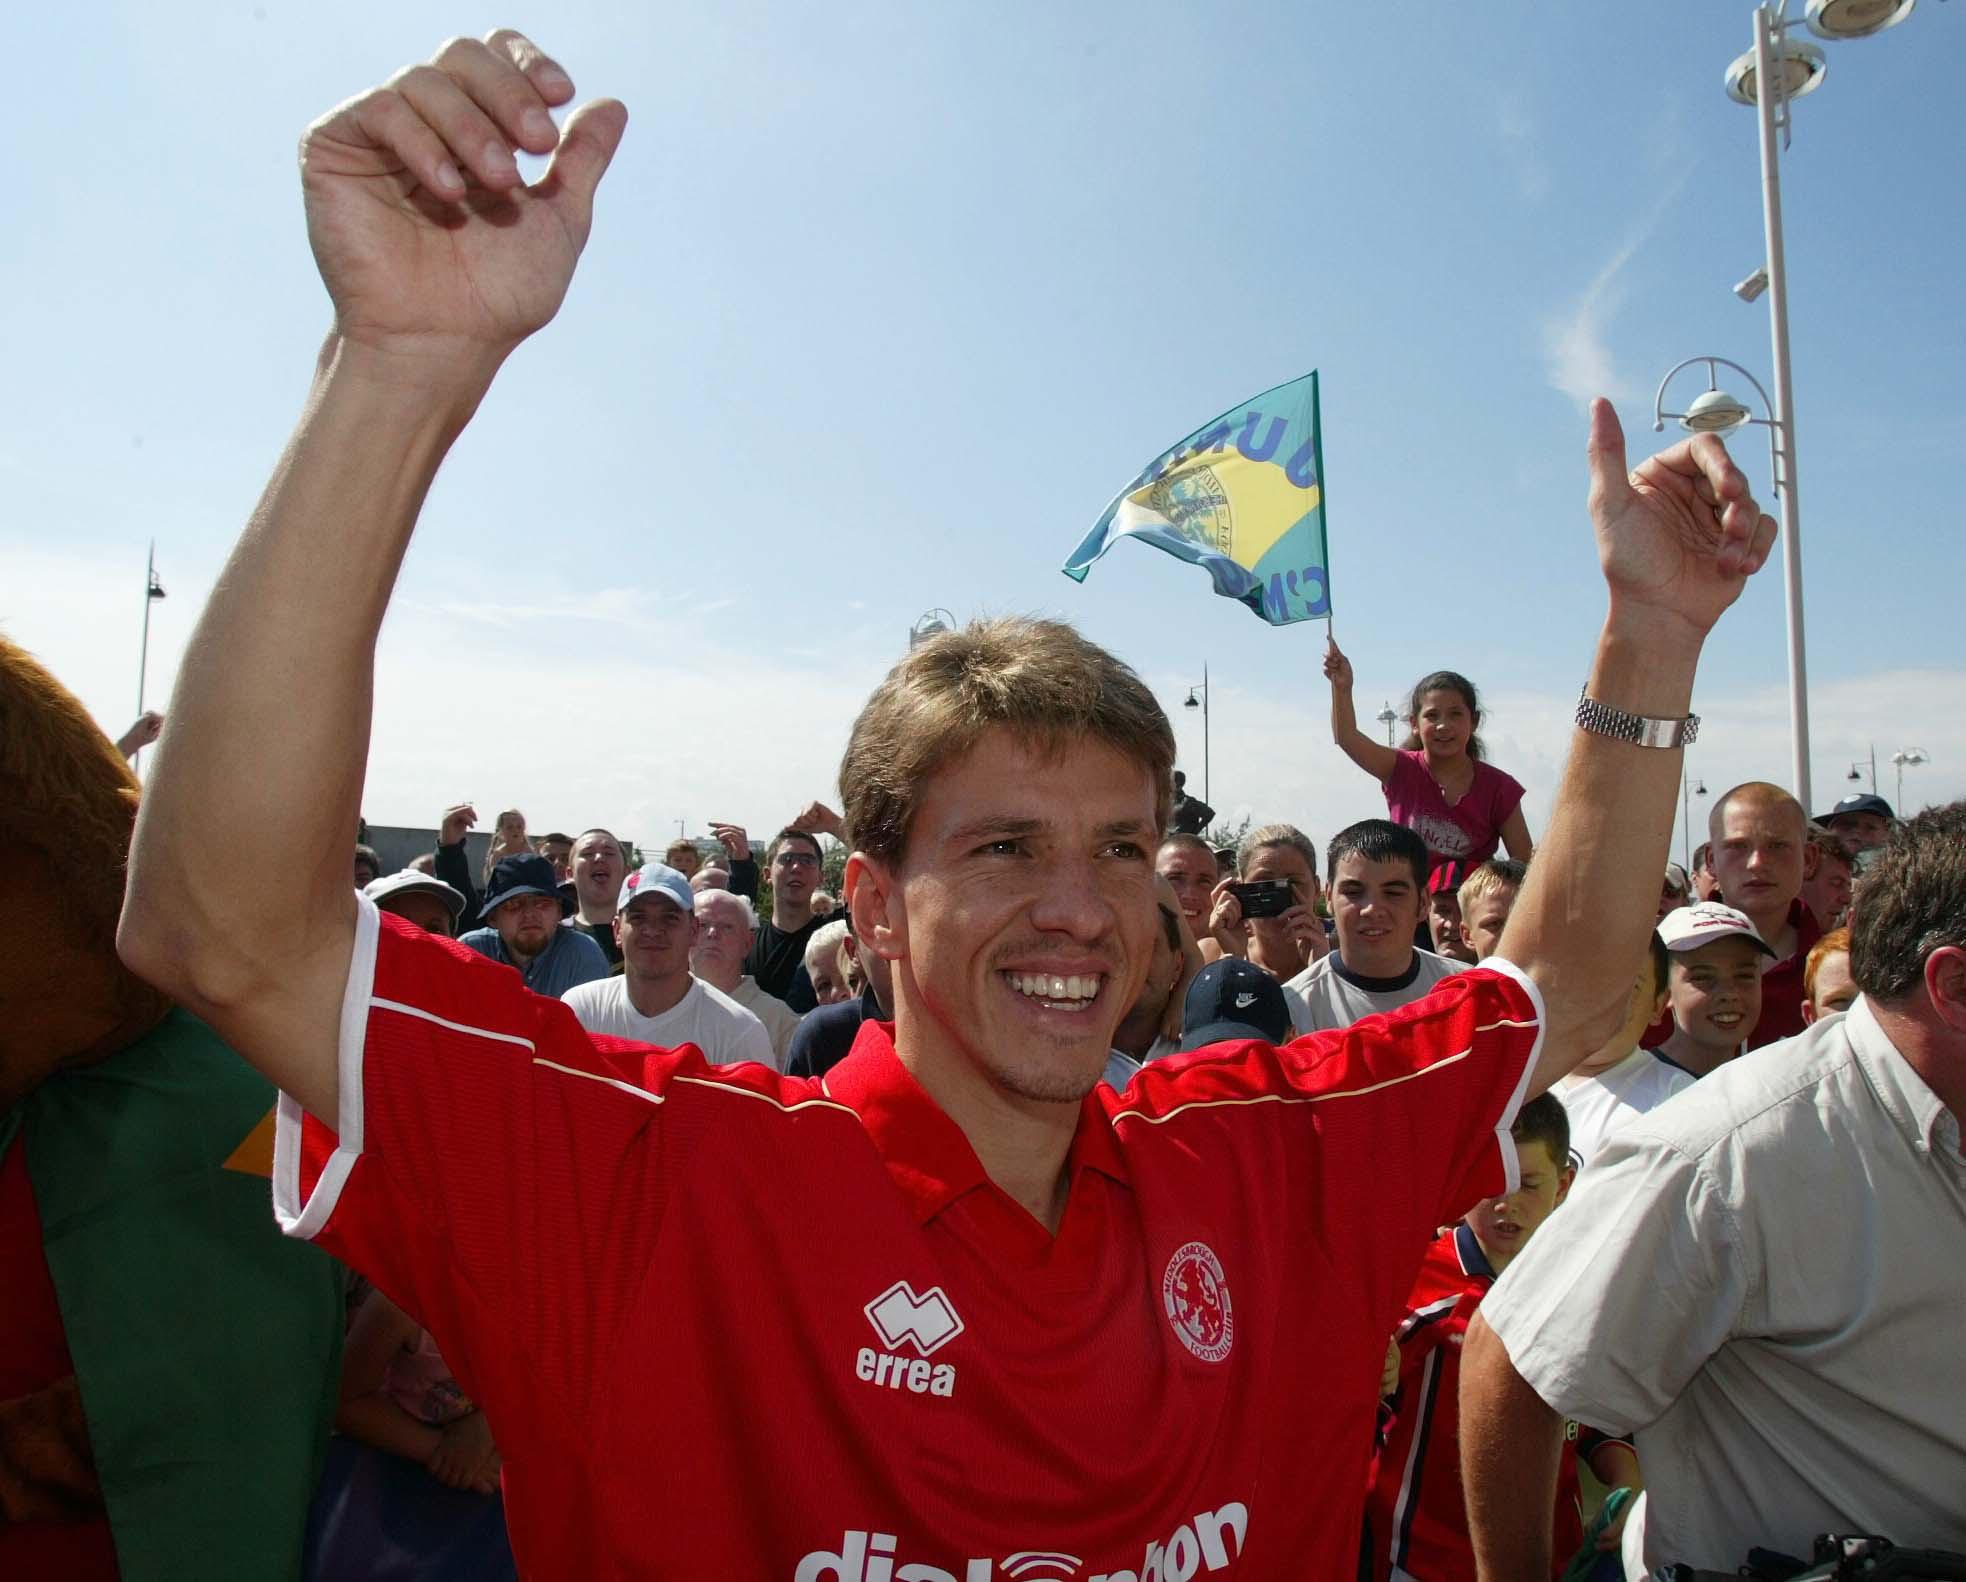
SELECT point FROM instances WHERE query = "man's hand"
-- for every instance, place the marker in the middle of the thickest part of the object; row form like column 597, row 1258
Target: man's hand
column 148, row 727
column 462, row 1449
column 429, row 241
column 457, row 822
column 1389, row 1374
column 816, row 818
column 1677, row 537
column 736, row 844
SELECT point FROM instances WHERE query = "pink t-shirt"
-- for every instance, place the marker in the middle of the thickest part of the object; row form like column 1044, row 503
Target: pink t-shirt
column 1465, row 831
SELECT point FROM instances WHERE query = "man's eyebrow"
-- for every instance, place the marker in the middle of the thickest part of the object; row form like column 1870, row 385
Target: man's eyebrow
column 996, row 826
column 1123, row 826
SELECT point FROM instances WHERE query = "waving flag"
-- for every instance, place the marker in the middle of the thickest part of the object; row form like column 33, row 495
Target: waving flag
column 1243, row 498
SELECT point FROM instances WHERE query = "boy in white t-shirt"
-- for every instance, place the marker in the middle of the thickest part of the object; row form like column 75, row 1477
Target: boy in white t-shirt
column 1622, row 1080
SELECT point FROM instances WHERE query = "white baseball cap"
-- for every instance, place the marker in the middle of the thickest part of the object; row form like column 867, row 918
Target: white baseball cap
column 1690, row 927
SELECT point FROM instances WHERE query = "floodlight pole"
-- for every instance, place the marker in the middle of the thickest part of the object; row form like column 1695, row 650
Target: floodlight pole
column 1771, row 109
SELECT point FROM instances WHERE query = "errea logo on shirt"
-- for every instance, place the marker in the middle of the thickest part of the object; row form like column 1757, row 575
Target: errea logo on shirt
column 923, row 1323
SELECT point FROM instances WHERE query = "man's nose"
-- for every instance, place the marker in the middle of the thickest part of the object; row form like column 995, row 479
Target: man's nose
column 1069, row 901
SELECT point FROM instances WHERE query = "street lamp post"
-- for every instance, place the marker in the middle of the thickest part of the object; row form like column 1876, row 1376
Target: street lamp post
column 1207, row 790
column 153, row 590
column 1688, row 789
column 1387, row 719
column 1903, row 756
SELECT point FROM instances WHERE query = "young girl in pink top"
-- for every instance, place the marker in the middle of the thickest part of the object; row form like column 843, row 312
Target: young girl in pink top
column 1438, row 784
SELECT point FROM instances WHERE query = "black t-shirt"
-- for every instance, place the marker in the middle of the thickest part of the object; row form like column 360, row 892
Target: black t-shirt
column 602, row 934
column 825, row 1037
column 778, row 962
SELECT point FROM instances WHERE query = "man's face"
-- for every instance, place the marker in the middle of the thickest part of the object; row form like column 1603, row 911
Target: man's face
column 1504, row 1225
column 1757, row 856
column 684, row 858
column 1861, row 831
column 1444, row 926
column 1376, row 906
column 655, row 936
column 1147, row 1015
column 1021, row 916
column 597, row 870
column 723, row 937
column 560, row 854
column 1826, row 892
column 1671, row 899
column 1481, row 926
column 1191, row 871
column 1835, row 989
column 1715, row 993
column 426, row 911
column 526, row 923
column 365, row 874
column 795, row 869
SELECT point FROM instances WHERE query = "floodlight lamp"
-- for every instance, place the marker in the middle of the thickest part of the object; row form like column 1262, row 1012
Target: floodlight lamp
column 1839, row 19
column 1714, row 412
column 1750, row 289
column 1801, row 65
column 1193, row 701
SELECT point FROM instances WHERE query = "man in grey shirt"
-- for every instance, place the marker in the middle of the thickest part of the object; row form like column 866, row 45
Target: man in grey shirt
column 1376, row 872
column 1763, row 1278
column 525, row 911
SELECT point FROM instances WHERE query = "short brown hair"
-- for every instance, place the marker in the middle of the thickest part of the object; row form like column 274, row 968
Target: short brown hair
column 1836, row 939
column 1910, row 902
column 1755, row 793
column 1038, row 679
column 1497, row 873
column 1544, row 1120
column 1266, row 835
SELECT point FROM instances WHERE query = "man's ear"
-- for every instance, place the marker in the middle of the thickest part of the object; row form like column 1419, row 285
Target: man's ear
column 873, row 899
column 1564, row 1179
column 615, row 924
column 1812, row 859
column 1945, row 985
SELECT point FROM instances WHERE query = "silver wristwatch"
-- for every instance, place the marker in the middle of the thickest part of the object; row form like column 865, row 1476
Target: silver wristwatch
column 1638, row 729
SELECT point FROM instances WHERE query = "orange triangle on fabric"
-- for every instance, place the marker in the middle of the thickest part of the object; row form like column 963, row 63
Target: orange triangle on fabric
column 254, row 1155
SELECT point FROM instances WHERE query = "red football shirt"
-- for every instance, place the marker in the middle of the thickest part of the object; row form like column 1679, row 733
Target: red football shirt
column 1418, row 1520
column 728, row 1323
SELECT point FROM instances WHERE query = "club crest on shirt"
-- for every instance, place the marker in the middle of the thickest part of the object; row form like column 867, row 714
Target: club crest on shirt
column 1196, row 1295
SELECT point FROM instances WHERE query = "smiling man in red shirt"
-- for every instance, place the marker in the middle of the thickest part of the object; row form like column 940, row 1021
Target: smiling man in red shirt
column 1043, row 1330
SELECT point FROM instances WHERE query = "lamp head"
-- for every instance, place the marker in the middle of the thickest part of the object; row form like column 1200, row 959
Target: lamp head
column 1714, row 412
column 1193, row 701
column 1837, row 19
column 1752, row 287
column 1801, row 67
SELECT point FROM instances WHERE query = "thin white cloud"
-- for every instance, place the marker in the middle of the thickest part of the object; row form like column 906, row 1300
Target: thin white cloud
column 1577, row 351
column 1522, row 149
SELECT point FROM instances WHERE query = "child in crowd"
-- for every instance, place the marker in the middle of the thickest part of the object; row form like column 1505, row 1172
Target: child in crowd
column 1438, row 784
column 1714, row 986
column 1416, row 1525
column 1622, row 1080
column 1378, row 873
column 1487, row 897
column 1827, row 986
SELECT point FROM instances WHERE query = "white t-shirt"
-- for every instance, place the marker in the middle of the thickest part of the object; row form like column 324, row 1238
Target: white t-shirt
column 1763, row 1278
column 1599, row 1105
column 1323, row 996
column 705, row 1017
column 780, row 1020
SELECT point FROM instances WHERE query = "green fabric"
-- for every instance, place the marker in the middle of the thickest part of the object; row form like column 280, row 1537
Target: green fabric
column 207, row 1345
column 1588, row 1557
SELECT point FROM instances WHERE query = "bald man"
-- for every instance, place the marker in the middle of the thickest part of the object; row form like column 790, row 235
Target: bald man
column 1761, row 857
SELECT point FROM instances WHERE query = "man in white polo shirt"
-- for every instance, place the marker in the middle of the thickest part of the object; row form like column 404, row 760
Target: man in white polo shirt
column 653, row 999
column 1762, row 1278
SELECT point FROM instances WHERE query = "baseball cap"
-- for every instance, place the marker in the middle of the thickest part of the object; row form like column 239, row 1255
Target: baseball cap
column 1858, row 802
column 1676, row 878
column 1450, row 876
column 657, row 878
column 1690, row 927
column 409, row 881
column 523, row 875
column 1231, row 999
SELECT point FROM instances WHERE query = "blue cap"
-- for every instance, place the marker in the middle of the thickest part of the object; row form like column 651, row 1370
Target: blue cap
column 657, row 878
column 1233, row 999
column 513, row 877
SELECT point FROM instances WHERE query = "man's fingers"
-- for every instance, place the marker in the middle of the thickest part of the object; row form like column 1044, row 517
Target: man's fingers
column 541, row 70
column 475, row 142
column 1610, row 476
column 385, row 122
column 587, row 145
column 502, row 90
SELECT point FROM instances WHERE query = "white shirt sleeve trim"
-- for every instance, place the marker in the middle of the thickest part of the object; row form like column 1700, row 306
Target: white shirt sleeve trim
column 1503, row 1141
column 304, row 1220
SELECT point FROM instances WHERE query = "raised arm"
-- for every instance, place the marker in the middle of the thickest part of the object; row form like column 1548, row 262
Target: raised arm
column 439, row 261
column 1379, row 762
column 1677, row 540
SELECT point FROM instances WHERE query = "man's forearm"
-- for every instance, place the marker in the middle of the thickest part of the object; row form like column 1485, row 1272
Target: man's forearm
column 1510, row 1442
column 1593, row 889
column 262, row 770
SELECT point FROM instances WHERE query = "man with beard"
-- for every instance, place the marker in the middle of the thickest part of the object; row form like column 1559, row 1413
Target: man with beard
column 523, row 911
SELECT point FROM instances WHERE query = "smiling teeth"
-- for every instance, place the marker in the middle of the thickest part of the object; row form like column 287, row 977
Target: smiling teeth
column 1049, row 986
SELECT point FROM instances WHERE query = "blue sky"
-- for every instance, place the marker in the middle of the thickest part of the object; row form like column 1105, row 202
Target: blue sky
column 882, row 304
